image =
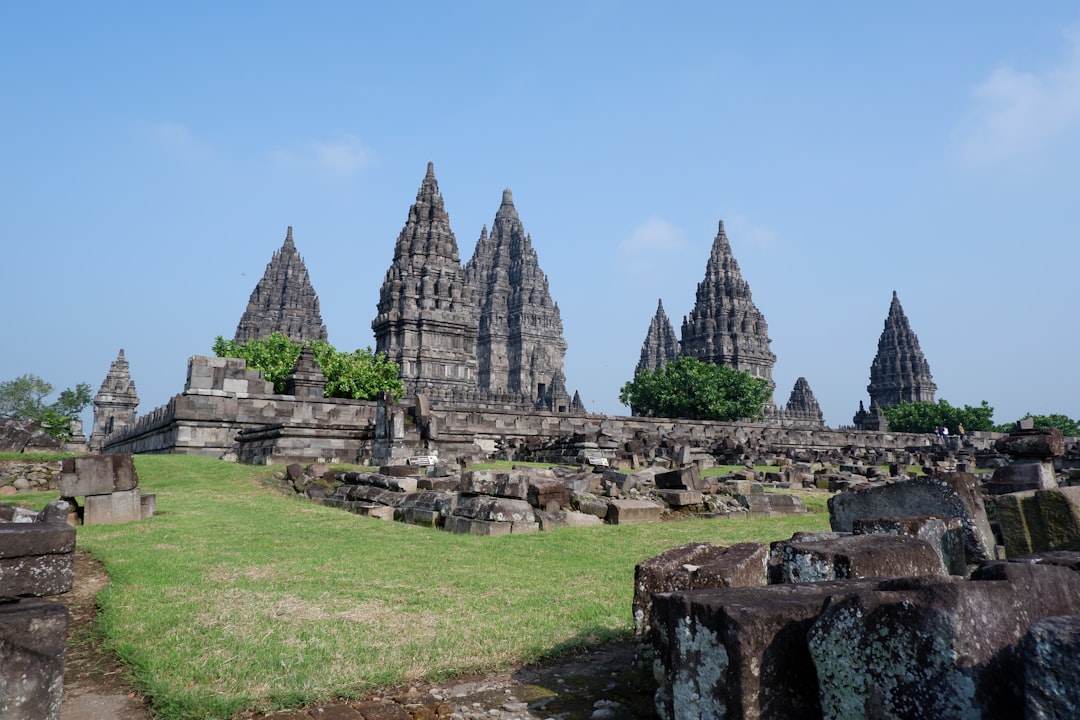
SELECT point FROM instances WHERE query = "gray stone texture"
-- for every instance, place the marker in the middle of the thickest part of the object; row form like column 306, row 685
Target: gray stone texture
column 944, row 535
column 520, row 347
column 36, row 559
column 97, row 475
column 949, row 495
column 1037, row 521
column 1032, row 443
column 899, row 372
column 112, row 509
column 632, row 512
column 33, row 638
column 283, row 301
column 855, row 557
column 924, row 648
column 115, row 404
column 661, row 344
column 725, row 327
column 1051, row 657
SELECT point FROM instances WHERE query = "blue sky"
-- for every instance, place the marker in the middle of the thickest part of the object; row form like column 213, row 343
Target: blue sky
column 154, row 154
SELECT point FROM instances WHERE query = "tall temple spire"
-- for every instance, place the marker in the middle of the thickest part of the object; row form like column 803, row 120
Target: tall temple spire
column 115, row 403
column 426, row 320
column 661, row 344
column 283, row 301
column 802, row 403
column 520, row 346
column 899, row 372
column 725, row 327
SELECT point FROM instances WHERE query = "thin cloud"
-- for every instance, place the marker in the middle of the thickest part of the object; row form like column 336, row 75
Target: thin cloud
column 178, row 140
column 649, row 245
column 345, row 155
column 1017, row 113
column 742, row 231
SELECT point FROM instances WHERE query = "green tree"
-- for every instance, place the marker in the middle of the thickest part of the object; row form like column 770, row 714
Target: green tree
column 924, row 416
column 1067, row 426
column 360, row 375
column 24, row 397
column 689, row 388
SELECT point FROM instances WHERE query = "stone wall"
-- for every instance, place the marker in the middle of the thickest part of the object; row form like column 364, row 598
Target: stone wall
column 22, row 476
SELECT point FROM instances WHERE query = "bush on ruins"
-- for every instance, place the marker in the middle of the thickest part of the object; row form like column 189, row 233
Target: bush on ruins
column 360, row 375
column 924, row 416
column 689, row 388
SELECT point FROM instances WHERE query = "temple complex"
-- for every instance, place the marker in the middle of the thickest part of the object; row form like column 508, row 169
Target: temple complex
column 725, row 327
column 661, row 344
column 427, row 322
column 520, row 347
column 115, row 404
column 283, row 301
column 899, row 372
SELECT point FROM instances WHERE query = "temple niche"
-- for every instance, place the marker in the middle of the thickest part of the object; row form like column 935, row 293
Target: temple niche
column 115, row 404
column 283, row 301
column 520, row 347
column 725, row 327
column 661, row 345
column 427, row 321
column 899, row 372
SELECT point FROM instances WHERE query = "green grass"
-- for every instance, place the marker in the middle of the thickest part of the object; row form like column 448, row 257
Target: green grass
column 34, row 457
column 235, row 597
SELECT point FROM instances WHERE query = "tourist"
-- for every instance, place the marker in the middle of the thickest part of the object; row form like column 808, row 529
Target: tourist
column 960, row 431
column 945, row 433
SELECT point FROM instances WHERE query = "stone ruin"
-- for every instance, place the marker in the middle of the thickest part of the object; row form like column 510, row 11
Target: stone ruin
column 109, row 487
column 116, row 403
column 36, row 561
column 932, row 597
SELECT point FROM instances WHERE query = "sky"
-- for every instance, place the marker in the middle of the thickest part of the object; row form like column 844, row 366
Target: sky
column 154, row 154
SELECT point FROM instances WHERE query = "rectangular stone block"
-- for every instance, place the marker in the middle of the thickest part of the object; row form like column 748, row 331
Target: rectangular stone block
column 33, row 638
column 680, row 498
column 148, row 503
column 854, row 557
column 418, row 516
column 98, row 475
column 477, row 482
column 632, row 512
column 36, row 575
column 470, row 526
column 683, row 478
column 1014, row 527
column 118, row 507
column 379, row 512
column 1059, row 515
column 542, row 493
column 30, row 538
column 944, row 535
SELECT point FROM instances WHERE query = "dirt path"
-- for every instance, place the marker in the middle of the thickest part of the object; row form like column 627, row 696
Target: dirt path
column 597, row 684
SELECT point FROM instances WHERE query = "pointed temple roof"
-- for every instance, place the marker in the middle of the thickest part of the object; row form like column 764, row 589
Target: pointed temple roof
column 426, row 319
column 661, row 343
column 520, row 345
column 802, row 401
column 899, row 372
column 115, row 403
column 725, row 327
column 283, row 301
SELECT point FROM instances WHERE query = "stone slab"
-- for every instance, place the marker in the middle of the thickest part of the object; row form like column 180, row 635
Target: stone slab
column 117, row 507
column 31, row 538
column 33, row 637
column 680, row 498
column 855, row 557
column 632, row 512
column 471, row 526
column 97, row 475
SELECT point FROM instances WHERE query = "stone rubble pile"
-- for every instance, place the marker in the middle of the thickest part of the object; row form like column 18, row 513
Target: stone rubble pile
column 18, row 476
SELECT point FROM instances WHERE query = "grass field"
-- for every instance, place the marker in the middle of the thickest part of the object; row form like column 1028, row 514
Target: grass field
column 237, row 597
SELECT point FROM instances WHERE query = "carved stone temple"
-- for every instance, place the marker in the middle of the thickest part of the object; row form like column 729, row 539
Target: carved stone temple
column 725, row 327
column 802, row 405
column 520, row 347
column 899, row 372
column 115, row 404
column 283, row 301
column 661, row 344
column 427, row 321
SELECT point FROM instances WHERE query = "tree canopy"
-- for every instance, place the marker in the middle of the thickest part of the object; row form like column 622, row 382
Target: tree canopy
column 359, row 375
column 24, row 397
column 1067, row 426
column 924, row 416
column 689, row 388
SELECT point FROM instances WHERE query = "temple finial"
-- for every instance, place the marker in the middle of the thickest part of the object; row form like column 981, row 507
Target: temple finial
column 430, row 170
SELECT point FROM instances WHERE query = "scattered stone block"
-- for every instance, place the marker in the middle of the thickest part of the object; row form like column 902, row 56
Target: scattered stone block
column 97, row 475
column 855, row 557
column 1017, row 477
column 36, row 559
column 117, row 507
column 680, row 498
column 1012, row 519
column 632, row 512
column 472, row 526
column 1032, row 443
column 542, row 493
column 945, row 536
column 1051, row 645
column 379, row 512
column 148, row 505
column 695, row 566
column 494, row 509
column 33, row 638
column 687, row 477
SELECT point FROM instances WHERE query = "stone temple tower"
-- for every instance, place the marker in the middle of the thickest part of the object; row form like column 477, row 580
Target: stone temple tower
column 426, row 320
column 803, row 405
column 283, row 301
column 899, row 372
column 115, row 403
column 661, row 344
column 725, row 327
column 520, row 347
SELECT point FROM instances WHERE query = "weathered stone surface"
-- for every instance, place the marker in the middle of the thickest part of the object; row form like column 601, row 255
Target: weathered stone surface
column 687, row 477
column 36, row 559
column 1012, row 518
column 632, row 512
column 945, row 536
column 695, row 566
column 33, row 638
column 562, row 519
column 283, row 301
column 1045, row 442
column 725, row 327
column 739, row 652
column 924, row 648
column 680, row 498
column 494, row 509
column 115, row 404
column 1021, row 476
column 899, row 372
column 548, row 493
column 473, row 526
column 98, row 475
column 945, row 496
column 1050, row 650
column 661, row 344
column 114, row 508
column 856, row 557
